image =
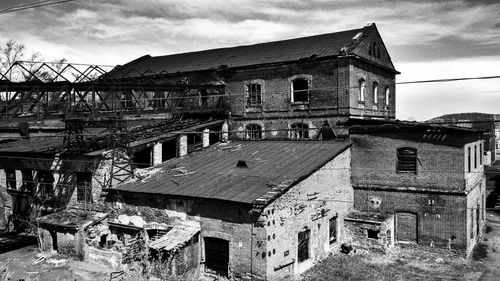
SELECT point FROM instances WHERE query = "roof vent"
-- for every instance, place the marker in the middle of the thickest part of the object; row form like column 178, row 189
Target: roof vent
column 241, row 164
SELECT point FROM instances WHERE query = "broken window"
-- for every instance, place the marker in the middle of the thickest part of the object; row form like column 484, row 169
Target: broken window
column 83, row 187
column 253, row 132
column 407, row 160
column 28, row 183
column 194, row 142
column 303, row 245
column 300, row 131
column 10, row 175
column 300, row 90
column 375, row 92
column 333, row 230
column 46, row 181
column 254, row 94
column 372, row 233
column 362, row 90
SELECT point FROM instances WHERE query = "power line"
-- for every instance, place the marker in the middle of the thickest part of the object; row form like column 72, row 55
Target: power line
column 34, row 5
column 449, row 80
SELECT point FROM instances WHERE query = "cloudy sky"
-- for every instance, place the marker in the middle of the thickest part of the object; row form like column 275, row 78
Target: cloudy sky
column 426, row 39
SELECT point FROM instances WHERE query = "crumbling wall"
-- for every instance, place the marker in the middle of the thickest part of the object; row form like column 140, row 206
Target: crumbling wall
column 308, row 206
column 381, row 238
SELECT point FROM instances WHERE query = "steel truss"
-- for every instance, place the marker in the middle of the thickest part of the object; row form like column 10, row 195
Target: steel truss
column 41, row 90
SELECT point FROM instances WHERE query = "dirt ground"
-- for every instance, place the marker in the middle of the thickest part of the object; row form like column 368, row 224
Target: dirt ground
column 401, row 264
column 416, row 264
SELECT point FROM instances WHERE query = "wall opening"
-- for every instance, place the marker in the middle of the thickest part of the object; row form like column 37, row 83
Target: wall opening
column 143, row 158
column 333, row 230
column 216, row 256
column 373, row 234
column 303, row 245
column 300, row 87
column 168, row 150
column 53, row 234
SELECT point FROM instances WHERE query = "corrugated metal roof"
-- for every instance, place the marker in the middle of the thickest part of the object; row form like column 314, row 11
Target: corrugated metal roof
column 273, row 166
column 324, row 45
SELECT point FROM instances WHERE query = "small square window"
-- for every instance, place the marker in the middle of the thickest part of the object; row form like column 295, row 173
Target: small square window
column 373, row 234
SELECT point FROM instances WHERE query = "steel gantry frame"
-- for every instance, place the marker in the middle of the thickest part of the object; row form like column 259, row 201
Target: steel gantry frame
column 40, row 90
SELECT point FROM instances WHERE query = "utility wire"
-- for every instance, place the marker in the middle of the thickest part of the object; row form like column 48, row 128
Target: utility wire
column 34, row 5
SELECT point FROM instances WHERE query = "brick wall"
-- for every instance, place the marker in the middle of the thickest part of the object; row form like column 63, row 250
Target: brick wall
column 374, row 164
column 308, row 205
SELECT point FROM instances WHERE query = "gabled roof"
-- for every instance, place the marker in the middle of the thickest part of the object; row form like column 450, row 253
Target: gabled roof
column 253, row 172
column 318, row 46
column 414, row 131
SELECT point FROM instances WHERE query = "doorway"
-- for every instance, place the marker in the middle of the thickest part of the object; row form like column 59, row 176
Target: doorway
column 216, row 256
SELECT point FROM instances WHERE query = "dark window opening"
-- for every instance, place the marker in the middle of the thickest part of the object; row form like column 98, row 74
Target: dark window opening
column 194, row 142
column 28, row 182
column 300, row 131
column 53, row 235
column 102, row 240
column 468, row 160
column 253, row 132
column 216, row 256
column 254, row 94
column 389, row 236
column 407, row 160
column 481, row 154
column 168, row 150
column 373, row 234
column 46, row 181
column 10, row 175
column 333, row 230
column 475, row 156
column 300, row 88
column 303, row 245
column 143, row 158
column 84, row 187
column 478, row 222
column 471, row 223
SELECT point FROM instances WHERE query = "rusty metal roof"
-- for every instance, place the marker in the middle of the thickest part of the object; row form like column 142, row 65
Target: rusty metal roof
column 318, row 46
column 219, row 171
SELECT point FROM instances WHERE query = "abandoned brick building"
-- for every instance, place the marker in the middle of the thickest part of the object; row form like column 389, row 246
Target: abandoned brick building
column 283, row 193
column 431, row 178
column 287, row 89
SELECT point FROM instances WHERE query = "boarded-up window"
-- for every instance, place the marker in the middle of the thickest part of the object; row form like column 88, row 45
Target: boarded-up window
column 406, row 227
column 303, row 245
column 333, row 230
column 407, row 160
column 254, row 94
column 253, row 132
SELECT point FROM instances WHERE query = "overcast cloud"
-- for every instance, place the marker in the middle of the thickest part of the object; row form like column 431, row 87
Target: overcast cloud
column 426, row 39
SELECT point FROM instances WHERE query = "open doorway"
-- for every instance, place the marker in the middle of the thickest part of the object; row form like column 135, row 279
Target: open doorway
column 216, row 256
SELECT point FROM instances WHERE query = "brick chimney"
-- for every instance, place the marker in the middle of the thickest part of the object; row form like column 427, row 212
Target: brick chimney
column 182, row 146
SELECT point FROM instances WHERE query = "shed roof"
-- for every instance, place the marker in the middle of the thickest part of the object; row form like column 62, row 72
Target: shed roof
column 177, row 236
column 317, row 46
column 271, row 168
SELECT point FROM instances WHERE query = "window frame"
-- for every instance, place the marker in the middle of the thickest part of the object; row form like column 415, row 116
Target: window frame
column 299, row 131
column 251, row 133
column 254, row 96
column 307, row 92
column 303, row 249
column 375, row 92
column 387, row 95
column 362, row 90
column 404, row 159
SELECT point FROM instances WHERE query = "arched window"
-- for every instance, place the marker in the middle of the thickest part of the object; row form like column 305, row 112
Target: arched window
column 254, row 94
column 253, row 132
column 300, row 90
column 406, row 160
column 387, row 94
column 375, row 92
column 374, row 50
column 362, row 89
column 300, row 131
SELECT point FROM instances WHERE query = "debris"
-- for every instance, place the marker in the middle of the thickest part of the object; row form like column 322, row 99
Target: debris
column 345, row 248
column 57, row 262
column 439, row 260
column 39, row 260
